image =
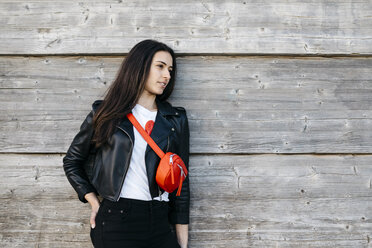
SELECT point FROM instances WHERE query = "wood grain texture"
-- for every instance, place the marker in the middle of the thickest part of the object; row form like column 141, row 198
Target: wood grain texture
column 190, row 27
column 237, row 201
column 272, row 137
column 234, row 104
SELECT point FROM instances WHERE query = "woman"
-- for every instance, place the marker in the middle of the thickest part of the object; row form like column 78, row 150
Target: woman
column 108, row 157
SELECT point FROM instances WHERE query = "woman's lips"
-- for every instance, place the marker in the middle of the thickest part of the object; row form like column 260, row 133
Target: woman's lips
column 163, row 85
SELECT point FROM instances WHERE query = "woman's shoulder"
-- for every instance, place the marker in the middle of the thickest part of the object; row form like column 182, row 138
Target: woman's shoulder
column 176, row 110
column 180, row 113
column 96, row 104
column 180, row 110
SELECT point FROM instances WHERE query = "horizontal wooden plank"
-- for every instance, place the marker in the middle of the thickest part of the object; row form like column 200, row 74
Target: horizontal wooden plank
column 219, row 27
column 26, row 227
column 238, row 177
column 237, row 200
column 261, row 105
column 222, row 240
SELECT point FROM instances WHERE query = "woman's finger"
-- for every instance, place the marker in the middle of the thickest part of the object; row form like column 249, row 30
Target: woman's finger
column 93, row 215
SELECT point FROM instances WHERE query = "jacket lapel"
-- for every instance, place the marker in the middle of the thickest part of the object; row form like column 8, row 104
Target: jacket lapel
column 127, row 127
column 160, row 131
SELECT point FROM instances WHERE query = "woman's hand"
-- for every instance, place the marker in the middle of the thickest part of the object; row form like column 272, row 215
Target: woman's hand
column 94, row 203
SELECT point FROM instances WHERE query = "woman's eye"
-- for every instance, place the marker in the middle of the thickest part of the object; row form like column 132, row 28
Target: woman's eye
column 161, row 66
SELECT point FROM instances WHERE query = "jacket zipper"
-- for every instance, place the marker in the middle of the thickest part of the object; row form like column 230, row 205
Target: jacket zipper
column 125, row 173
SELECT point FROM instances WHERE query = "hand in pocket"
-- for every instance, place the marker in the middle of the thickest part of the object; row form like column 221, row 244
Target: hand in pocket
column 93, row 215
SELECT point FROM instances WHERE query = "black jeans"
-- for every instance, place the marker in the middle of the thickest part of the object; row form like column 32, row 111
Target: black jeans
column 132, row 223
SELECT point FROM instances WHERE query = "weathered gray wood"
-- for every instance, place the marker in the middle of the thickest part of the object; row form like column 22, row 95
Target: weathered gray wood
column 234, row 26
column 260, row 105
column 241, row 105
column 239, row 177
column 242, row 200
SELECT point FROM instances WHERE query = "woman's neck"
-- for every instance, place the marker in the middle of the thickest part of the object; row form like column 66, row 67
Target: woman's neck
column 148, row 101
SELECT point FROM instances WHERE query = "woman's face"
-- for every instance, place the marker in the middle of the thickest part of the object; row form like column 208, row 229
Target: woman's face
column 159, row 74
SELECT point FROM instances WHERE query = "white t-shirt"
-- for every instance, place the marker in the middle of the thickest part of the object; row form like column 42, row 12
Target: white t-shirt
column 136, row 185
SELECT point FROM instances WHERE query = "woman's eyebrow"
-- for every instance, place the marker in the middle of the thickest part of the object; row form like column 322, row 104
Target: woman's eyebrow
column 163, row 62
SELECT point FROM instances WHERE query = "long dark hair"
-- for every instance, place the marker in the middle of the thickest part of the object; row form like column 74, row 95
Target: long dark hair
column 128, row 86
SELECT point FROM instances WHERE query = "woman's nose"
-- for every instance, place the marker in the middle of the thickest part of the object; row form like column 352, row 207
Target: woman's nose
column 166, row 74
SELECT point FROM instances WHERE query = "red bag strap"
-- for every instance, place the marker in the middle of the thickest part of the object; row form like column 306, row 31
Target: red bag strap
column 147, row 137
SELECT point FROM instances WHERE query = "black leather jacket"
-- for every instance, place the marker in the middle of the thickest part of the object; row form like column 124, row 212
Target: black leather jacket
column 103, row 170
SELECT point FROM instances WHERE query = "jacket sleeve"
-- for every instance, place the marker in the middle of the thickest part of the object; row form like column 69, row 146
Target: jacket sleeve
column 180, row 205
column 75, row 157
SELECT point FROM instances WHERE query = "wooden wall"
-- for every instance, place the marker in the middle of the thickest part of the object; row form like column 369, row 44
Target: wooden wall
column 278, row 95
